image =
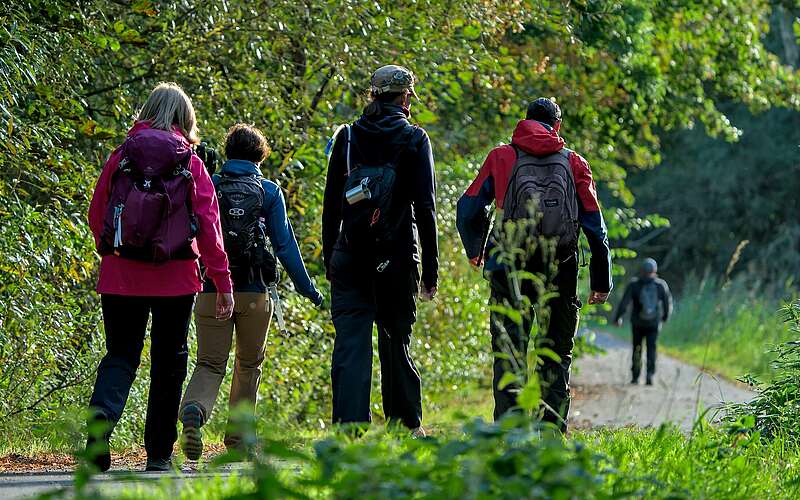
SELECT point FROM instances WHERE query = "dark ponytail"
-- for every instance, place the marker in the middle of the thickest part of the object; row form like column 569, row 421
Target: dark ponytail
column 375, row 106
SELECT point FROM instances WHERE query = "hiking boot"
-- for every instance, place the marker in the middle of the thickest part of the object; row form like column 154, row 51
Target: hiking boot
column 192, row 436
column 419, row 432
column 158, row 464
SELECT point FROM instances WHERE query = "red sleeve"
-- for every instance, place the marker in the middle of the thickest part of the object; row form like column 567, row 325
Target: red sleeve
column 498, row 166
column 209, row 231
column 584, row 184
column 483, row 174
column 102, row 191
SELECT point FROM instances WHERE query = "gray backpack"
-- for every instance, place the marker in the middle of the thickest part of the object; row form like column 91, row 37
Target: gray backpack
column 650, row 305
column 541, row 192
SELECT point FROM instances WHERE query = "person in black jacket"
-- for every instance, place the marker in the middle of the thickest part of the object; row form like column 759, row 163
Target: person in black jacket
column 652, row 306
column 374, row 272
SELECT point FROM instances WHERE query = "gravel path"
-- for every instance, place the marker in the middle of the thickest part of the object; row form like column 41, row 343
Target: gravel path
column 603, row 395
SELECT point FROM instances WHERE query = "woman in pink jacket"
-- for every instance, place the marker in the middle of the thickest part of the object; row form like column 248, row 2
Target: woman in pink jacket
column 153, row 213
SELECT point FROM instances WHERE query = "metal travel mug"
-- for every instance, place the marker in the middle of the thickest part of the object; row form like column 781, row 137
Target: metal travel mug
column 358, row 193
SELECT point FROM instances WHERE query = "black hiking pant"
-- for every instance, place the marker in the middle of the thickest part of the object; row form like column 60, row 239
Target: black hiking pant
column 361, row 297
column 650, row 334
column 125, row 321
column 558, row 322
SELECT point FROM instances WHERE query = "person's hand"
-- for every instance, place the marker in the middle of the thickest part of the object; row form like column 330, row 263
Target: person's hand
column 597, row 297
column 319, row 301
column 224, row 306
column 428, row 294
column 476, row 261
column 619, row 322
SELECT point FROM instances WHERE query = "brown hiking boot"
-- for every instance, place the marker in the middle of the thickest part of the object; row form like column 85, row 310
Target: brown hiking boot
column 192, row 435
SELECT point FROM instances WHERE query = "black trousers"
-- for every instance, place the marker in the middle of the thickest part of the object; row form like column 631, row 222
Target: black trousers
column 360, row 297
column 558, row 321
column 125, row 322
column 650, row 334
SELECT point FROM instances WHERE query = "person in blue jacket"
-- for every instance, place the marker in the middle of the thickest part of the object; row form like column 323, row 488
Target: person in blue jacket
column 252, row 211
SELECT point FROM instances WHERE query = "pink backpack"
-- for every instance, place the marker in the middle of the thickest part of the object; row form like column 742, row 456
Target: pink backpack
column 149, row 215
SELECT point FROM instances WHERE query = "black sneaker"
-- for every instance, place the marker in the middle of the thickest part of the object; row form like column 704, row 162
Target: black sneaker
column 158, row 464
column 634, row 381
column 192, row 436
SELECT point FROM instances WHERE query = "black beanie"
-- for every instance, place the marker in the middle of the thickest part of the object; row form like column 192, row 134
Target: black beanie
column 545, row 111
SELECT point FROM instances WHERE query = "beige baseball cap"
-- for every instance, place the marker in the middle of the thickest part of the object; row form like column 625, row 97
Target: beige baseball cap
column 392, row 78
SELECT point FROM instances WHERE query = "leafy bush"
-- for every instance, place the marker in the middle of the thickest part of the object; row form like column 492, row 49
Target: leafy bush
column 775, row 411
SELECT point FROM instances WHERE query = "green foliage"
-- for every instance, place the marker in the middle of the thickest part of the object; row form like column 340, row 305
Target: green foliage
column 707, row 464
column 505, row 460
column 718, row 195
column 775, row 412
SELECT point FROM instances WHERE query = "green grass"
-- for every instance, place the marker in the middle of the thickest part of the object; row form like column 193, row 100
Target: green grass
column 708, row 464
column 726, row 331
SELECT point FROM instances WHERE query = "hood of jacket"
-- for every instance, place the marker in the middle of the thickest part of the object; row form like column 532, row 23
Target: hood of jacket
column 239, row 167
column 536, row 138
column 154, row 151
column 390, row 121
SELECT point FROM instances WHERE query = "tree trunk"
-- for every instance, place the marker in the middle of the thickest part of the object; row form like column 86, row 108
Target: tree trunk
column 790, row 48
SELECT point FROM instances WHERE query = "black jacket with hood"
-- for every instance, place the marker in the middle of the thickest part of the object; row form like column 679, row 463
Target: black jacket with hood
column 631, row 297
column 378, row 138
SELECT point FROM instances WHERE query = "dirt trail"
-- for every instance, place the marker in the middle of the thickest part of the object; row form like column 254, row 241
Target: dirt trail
column 603, row 395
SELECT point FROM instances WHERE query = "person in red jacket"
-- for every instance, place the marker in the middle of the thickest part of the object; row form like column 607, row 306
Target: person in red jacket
column 133, row 286
column 536, row 136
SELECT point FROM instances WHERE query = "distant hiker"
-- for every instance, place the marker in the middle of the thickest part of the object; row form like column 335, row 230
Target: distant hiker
column 152, row 214
column 252, row 210
column 380, row 194
column 520, row 178
column 652, row 306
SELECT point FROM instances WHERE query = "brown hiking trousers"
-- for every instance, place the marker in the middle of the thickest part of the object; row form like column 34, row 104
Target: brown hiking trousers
column 251, row 318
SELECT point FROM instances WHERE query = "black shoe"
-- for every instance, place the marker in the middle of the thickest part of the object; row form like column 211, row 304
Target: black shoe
column 192, row 436
column 98, row 449
column 649, row 381
column 158, row 464
column 634, row 381
column 98, row 452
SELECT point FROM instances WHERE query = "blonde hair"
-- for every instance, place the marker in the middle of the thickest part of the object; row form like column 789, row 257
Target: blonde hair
column 168, row 106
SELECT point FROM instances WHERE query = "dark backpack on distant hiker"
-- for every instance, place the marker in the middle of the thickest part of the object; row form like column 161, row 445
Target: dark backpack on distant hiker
column 243, row 230
column 149, row 216
column 541, row 192
column 370, row 213
column 649, row 303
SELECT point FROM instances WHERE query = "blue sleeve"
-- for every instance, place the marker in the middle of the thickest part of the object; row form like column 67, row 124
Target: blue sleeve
column 285, row 245
column 594, row 227
column 472, row 217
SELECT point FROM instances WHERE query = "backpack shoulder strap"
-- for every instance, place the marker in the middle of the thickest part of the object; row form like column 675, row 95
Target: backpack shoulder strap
column 565, row 153
column 347, row 128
